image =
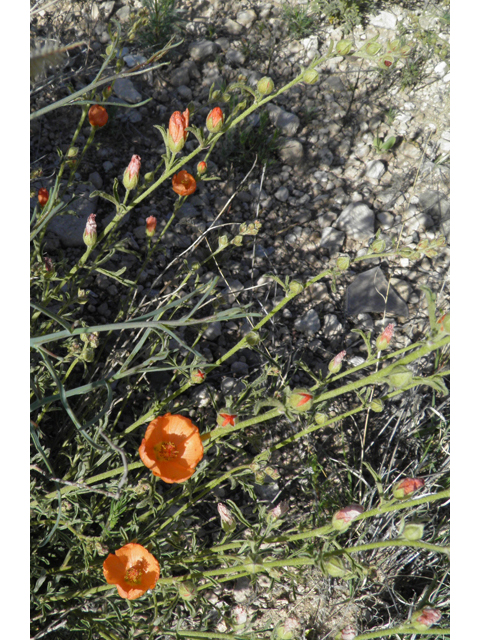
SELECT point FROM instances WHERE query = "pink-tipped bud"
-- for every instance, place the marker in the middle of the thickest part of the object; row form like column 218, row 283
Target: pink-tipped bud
column 423, row 619
column 335, row 364
column 226, row 418
column 215, row 120
column 130, row 176
column 288, row 630
column 151, row 225
column 48, row 263
column 227, row 521
column 90, row 233
column 177, row 134
column 240, row 617
column 279, row 511
column 383, row 340
column 201, row 168
column 300, row 400
column 406, row 487
column 348, row 633
column 342, row 519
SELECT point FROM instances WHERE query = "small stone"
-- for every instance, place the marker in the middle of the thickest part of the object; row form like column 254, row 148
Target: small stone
column 125, row 90
column 308, row 323
column 384, row 20
column 213, row 331
column 234, row 28
column 180, row 77
column 287, row 122
column 441, row 69
column 331, row 326
column 202, row 49
column 332, row 239
column 375, row 169
column 239, row 368
column 357, row 220
column 246, row 18
column 282, row 194
column 233, row 56
column 368, row 292
column 185, row 92
column 385, row 219
column 96, row 179
column 290, row 151
column 133, row 60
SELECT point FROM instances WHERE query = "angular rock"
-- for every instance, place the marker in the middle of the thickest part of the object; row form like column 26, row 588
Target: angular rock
column 202, row 49
column 125, row 90
column 308, row 323
column 375, row 169
column 332, row 239
column 357, row 220
column 384, row 20
column 246, row 18
column 331, row 326
column 233, row 27
column 290, row 151
column 287, row 122
column 368, row 292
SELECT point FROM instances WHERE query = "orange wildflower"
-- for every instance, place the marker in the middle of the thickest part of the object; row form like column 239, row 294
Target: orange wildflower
column 171, row 448
column 97, row 115
column 177, row 135
column 133, row 569
column 215, row 120
column 42, row 196
column 183, row 183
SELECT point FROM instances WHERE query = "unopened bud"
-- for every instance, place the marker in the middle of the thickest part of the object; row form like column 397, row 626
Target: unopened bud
column 412, row 532
column 215, row 120
column 343, row 262
column 400, row 377
column 252, row 338
column 265, row 86
column 335, row 364
column 372, row 48
column 377, row 405
column 342, row 519
column 321, row 418
column 227, row 521
column 384, row 339
column 335, row 567
column 237, row 241
column 201, row 168
column 343, row 47
column 187, row 590
column 423, row 619
column 226, row 418
column 378, row 245
column 88, row 354
column 300, row 400
column 311, row 76
column 197, row 376
column 295, row 287
column 148, row 177
column 406, row 487
column 131, row 174
column 151, row 225
column 90, row 233
column 223, row 242
column 444, row 323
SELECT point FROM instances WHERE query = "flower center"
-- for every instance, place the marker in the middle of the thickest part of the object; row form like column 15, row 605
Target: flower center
column 165, row 451
column 133, row 575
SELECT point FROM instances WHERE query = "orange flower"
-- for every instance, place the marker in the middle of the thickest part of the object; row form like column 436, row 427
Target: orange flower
column 151, row 223
column 215, row 120
column 184, row 183
column 97, row 115
column 43, row 197
column 133, row 569
column 171, row 448
column 177, row 135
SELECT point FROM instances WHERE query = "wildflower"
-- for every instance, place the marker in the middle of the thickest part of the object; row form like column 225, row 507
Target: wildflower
column 130, row 176
column 197, row 376
column 151, row 225
column 300, row 400
column 42, row 196
column 423, row 619
column 383, row 340
column 215, row 120
column 171, row 448
column 90, row 233
column 226, row 519
column 348, row 633
column 177, row 134
column 201, row 168
column 335, row 363
column 288, row 630
column 407, row 486
column 97, row 116
column 341, row 519
column 265, row 86
column 279, row 511
column 183, row 183
column 133, row 569
column 226, row 419
column 239, row 617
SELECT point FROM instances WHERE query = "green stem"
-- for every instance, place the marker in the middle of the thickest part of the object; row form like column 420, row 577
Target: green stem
column 402, row 629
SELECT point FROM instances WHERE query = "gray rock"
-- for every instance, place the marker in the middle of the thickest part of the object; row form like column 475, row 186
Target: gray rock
column 234, row 286
column 434, row 203
column 134, row 116
column 441, row 69
column 357, row 220
column 325, row 156
column 187, row 210
column 386, row 219
column 290, row 151
column 239, row 368
column 133, row 60
column 308, row 323
column 331, row 326
column 234, row 56
column 332, row 239
column 375, row 169
column 230, row 386
column 213, row 331
column 287, row 122
column 70, row 228
column 368, row 292
column 107, row 165
column 234, row 28
column 202, row 49
column 310, row 45
column 384, row 20
column 282, row 194
column 185, row 92
column 180, row 77
column 123, row 14
column 246, row 18
column 125, row 90
column 96, row 179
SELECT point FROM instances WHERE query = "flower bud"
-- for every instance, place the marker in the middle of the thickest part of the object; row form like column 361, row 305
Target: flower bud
column 252, row 338
column 288, row 630
column 279, row 511
column 405, row 50
column 335, row 567
column 151, row 225
column 237, row 241
column 97, row 116
column 197, row 376
column 385, row 61
column 90, row 233
column 239, row 617
column 265, row 86
column 377, row 405
column 311, row 76
column 226, row 418
column 295, row 287
column 378, row 245
column 444, row 323
column 227, row 521
column 201, row 168
column 335, row 364
column 341, row 519
column 406, row 487
column 149, row 177
column 130, row 176
column 343, row 47
column 82, row 296
column 88, row 354
column 321, row 418
column 400, row 377
column 300, row 400
column 215, row 120
column 423, row 619
column 107, row 92
column 223, row 242
column 372, row 48
column 343, row 262
column 187, row 590
column 412, row 532
column 348, row 633
column 42, row 196
column 176, row 134
column 384, row 339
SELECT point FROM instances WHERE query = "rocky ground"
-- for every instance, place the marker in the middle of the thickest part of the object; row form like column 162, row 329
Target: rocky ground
column 319, row 188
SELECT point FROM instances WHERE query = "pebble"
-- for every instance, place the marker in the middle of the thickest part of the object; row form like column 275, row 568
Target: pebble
column 282, row 194
column 125, row 90
column 375, row 169
column 201, row 50
column 287, row 122
column 332, row 239
column 357, row 220
column 309, row 322
column 332, row 327
column 246, row 18
column 384, row 20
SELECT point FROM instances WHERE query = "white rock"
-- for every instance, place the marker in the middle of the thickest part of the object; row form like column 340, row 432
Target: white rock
column 384, row 20
column 441, row 69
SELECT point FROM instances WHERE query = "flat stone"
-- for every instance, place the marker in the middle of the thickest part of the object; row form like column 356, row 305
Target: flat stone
column 125, row 90
column 357, row 220
column 331, row 326
column 282, row 194
column 246, row 18
column 287, row 122
column 375, row 169
column 133, row 60
column 434, row 203
column 180, row 77
column 213, row 331
column 233, row 56
column 384, row 20
column 332, row 239
column 202, row 49
column 234, row 28
column 367, row 294
column 290, row 151
column 308, row 323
